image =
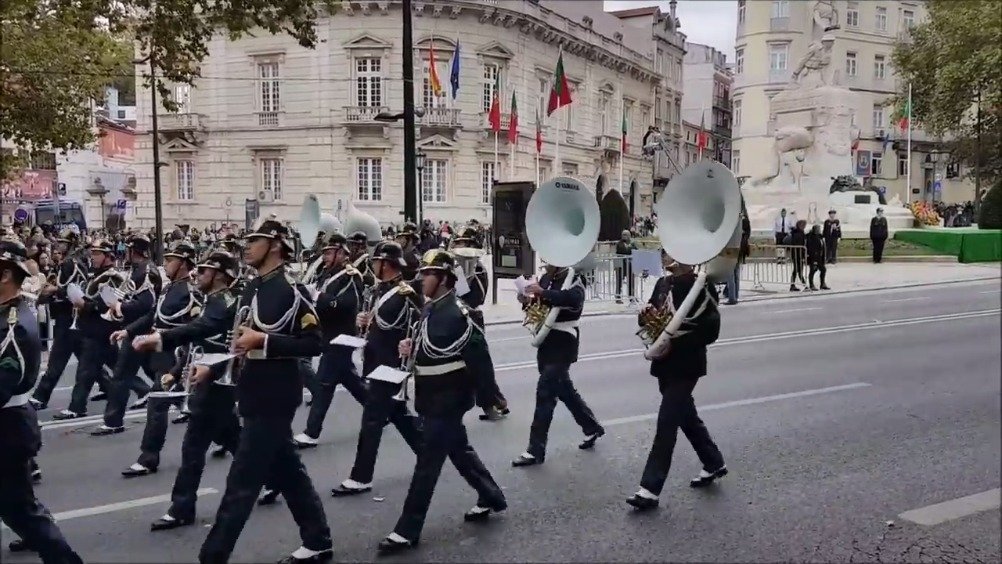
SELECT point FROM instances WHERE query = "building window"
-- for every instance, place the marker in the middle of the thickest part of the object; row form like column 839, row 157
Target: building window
column 544, row 96
column 780, row 8
column 908, row 19
column 43, row 160
column 778, row 54
column 739, row 61
column 850, row 64
column 427, row 96
column 369, row 177
column 185, row 173
column 736, row 113
column 878, row 120
column 486, row 180
column 875, row 162
column 645, row 117
column 182, row 98
column 741, row 12
column 271, row 177
column 852, row 15
column 603, row 113
column 270, row 97
column 879, row 67
column 570, row 169
column 491, row 77
column 881, row 21
column 903, row 164
column 433, row 181
column 735, row 161
column 369, row 82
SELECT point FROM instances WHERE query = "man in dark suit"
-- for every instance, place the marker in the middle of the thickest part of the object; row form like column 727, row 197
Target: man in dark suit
column 878, row 235
column 677, row 373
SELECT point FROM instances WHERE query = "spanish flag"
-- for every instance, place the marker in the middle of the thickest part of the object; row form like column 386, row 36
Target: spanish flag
column 433, row 82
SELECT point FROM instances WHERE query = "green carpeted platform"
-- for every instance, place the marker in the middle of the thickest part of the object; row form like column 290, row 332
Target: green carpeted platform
column 968, row 244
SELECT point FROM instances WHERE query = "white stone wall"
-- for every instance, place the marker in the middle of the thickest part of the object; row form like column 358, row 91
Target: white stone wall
column 319, row 151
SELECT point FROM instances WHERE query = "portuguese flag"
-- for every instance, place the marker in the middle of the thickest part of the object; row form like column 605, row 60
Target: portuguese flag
column 560, row 93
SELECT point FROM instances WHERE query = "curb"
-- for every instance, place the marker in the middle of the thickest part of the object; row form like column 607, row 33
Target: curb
column 784, row 296
column 905, row 258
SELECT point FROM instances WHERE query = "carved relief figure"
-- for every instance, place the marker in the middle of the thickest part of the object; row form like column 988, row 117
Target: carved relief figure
column 787, row 140
column 813, row 68
column 825, row 15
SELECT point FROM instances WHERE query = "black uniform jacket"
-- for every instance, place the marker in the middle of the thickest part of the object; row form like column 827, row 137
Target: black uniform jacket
column 338, row 301
column 413, row 260
column 269, row 381
column 141, row 302
column 479, row 283
column 20, row 358
column 89, row 321
column 205, row 330
column 70, row 270
column 396, row 306
column 687, row 356
column 561, row 345
column 362, row 264
column 445, row 382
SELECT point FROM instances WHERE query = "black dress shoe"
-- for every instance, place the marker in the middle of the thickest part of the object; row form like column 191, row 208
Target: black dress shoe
column 523, row 461
column 66, row 414
column 341, row 491
column 36, row 476
column 706, row 478
column 100, row 396
column 105, row 430
column 642, row 503
column 19, row 545
column 183, row 418
column 162, row 524
column 269, row 497
column 220, row 452
column 389, row 546
column 589, row 441
column 482, row 513
column 322, row 556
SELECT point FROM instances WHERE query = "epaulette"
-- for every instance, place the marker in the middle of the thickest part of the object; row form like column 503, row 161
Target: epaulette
column 405, row 289
column 350, row 270
column 12, row 316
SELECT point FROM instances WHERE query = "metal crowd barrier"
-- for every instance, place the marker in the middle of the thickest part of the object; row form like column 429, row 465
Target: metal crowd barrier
column 772, row 264
column 613, row 278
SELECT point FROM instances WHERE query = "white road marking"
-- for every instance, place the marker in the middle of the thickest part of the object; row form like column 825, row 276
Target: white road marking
column 995, row 291
column 797, row 309
column 609, row 355
column 739, row 403
column 122, row 506
column 954, row 509
column 915, row 299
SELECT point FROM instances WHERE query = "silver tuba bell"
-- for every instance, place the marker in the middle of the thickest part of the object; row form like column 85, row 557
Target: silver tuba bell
column 357, row 220
column 562, row 223
column 699, row 217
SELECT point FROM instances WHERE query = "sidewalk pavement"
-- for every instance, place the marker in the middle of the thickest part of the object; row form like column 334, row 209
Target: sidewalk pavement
column 842, row 278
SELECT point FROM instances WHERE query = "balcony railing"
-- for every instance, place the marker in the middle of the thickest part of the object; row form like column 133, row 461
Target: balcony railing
column 505, row 122
column 608, row 142
column 779, row 24
column 180, row 122
column 441, row 117
column 722, row 102
column 363, row 114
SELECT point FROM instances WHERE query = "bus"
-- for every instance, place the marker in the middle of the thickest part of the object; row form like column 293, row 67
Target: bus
column 71, row 214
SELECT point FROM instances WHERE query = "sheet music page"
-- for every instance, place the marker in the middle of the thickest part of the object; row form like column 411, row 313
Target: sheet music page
column 349, row 341
column 462, row 285
column 387, row 374
column 521, row 283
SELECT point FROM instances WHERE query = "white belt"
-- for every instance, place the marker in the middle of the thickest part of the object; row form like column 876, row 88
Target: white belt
column 439, row 369
column 566, row 326
column 17, row 401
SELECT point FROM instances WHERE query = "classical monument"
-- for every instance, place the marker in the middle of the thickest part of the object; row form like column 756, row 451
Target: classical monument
column 811, row 122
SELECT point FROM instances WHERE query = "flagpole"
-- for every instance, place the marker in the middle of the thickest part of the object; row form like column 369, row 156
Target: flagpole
column 511, row 163
column 537, row 168
column 557, row 165
column 622, row 149
column 908, row 162
column 497, row 162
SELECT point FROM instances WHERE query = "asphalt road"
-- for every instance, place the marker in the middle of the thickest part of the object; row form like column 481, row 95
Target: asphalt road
column 836, row 414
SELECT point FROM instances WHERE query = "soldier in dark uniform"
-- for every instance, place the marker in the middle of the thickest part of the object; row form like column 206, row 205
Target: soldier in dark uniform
column 677, row 375
column 408, row 239
column 490, row 399
column 358, row 248
column 213, row 416
column 554, row 358
column 96, row 326
column 395, row 307
column 66, row 340
column 20, row 435
column 172, row 307
column 278, row 327
column 337, row 306
column 450, row 356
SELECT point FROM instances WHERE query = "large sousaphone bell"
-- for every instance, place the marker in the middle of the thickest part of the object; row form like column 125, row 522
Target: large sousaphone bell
column 562, row 223
column 357, row 220
column 699, row 224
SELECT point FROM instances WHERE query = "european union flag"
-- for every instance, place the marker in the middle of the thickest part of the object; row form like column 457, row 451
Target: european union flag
column 454, row 75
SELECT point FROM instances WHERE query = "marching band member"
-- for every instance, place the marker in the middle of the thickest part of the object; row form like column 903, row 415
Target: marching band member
column 554, row 357
column 358, row 250
column 396, row 306
column 337, row 305
column 213, row 417
column 281, row 327
column 408, row 239
column 20, row 435
column 677, row 374
column 66, row 340
column 490, row 399
column 96, row 348
column 450, row 355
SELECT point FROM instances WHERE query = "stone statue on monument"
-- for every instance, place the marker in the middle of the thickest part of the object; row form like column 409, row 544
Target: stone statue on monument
column 825, row 16
column 814, row 69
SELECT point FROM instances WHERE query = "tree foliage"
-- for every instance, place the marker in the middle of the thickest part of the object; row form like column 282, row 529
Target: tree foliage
column 991, row 209
column 58, row 55
column 952, row 62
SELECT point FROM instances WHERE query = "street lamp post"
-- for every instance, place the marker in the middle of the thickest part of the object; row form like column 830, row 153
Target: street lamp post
column 419, row 159
column 410, row 143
